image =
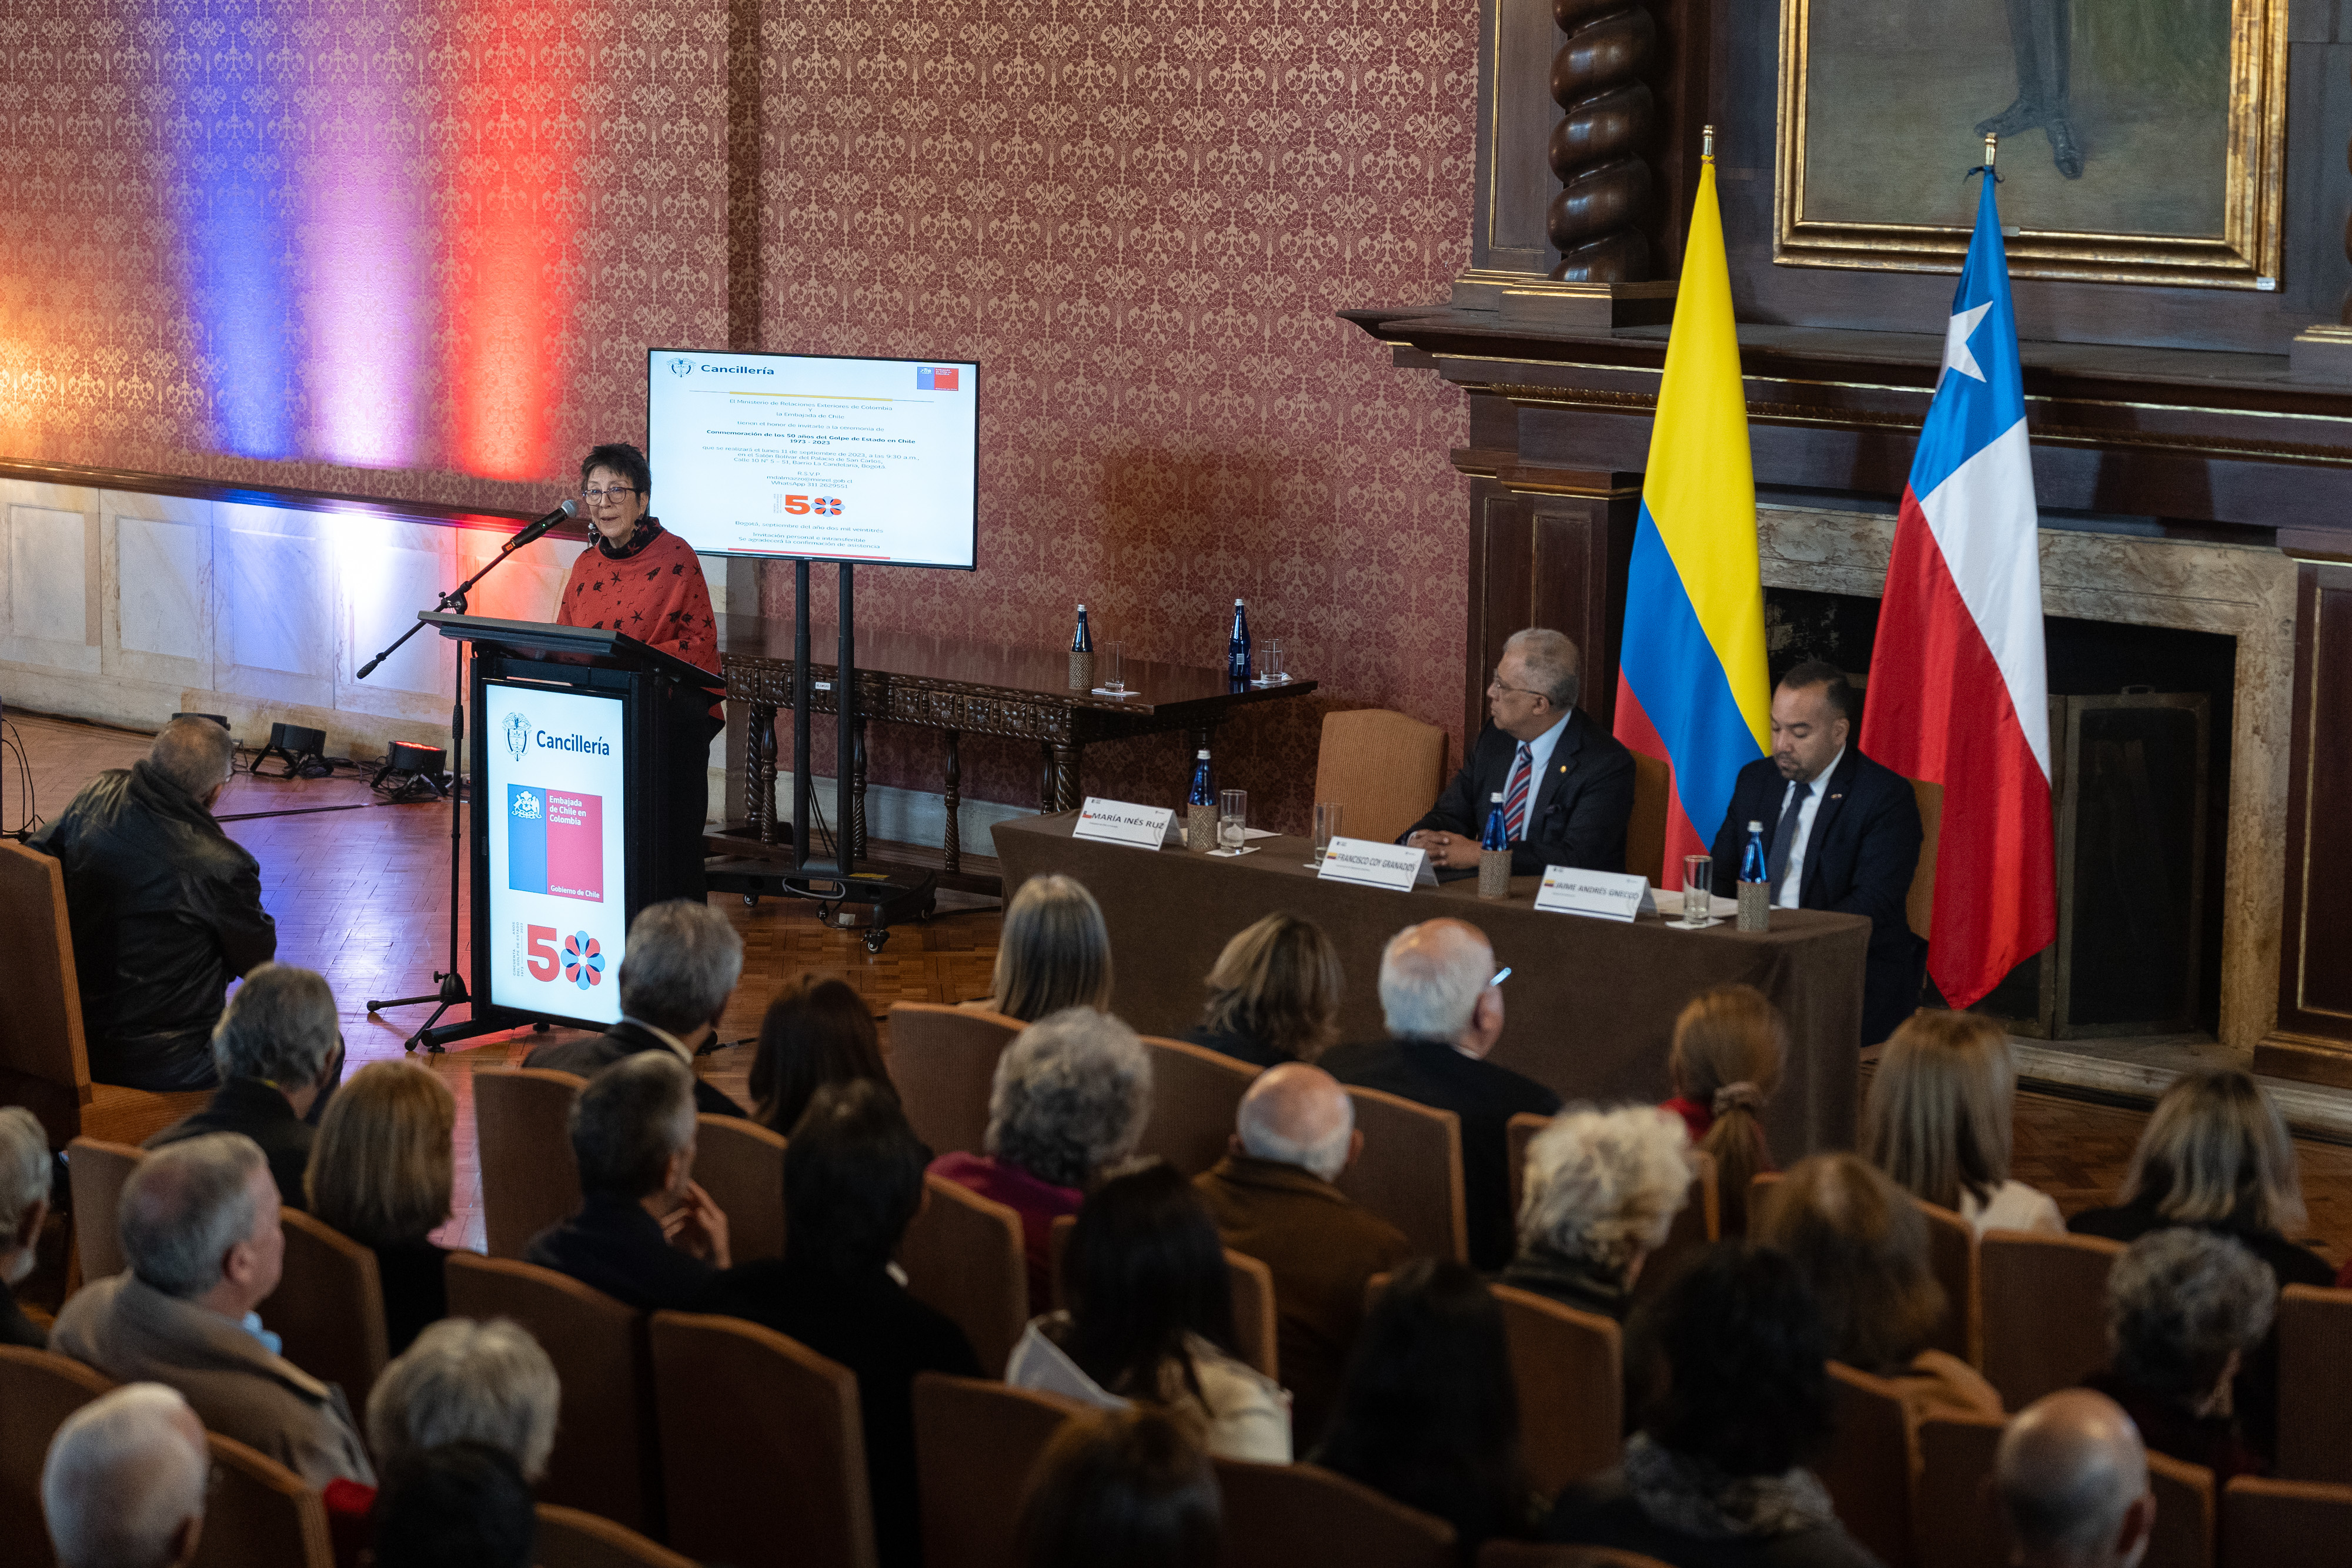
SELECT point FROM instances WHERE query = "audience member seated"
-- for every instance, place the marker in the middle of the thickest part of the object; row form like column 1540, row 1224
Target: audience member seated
column 853, row 1183
column 645, row 1234
column 1716, row 1478
column 467, row 1381
column 1274, row 995
column 381, row 1174
column 1133, row 1487
column 1862, row 1243
column 817, row 1031
column 461, row 1505
column 677, row 976
column 165, row 909
column 199, row 1228
column 1937, row 1121
column 2072, row 1480
column 2215, row 1154
column 280, row 1049
column 1600, row 1192
column 1052, row 953
column 25, row 1173
column 1151, row 1319
column 125, row 1482
column 1273, row 1201
column 1070, row 1098
column 1731, row 1046
column 1430, row 1413
column 1444, row 1015
column 2185, row 1308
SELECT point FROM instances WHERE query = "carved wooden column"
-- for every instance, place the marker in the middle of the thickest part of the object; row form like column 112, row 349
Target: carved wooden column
column 1598, row 149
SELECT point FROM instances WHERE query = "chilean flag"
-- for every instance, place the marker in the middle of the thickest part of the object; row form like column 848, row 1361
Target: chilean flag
column 1957, row 694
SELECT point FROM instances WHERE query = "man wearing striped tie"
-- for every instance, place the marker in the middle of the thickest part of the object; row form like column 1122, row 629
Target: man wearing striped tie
column 1567, row 784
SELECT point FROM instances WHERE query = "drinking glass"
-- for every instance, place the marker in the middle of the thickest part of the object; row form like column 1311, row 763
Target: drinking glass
column 1113, row 661
column 1269, row 663
column 1327, row 828
column 1233, row 819
column 1699, row 891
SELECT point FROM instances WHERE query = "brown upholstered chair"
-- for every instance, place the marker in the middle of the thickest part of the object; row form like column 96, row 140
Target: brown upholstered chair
column 2185, row 1494
column 1411, row 1172
column 943, row 1061
column 1699, row 1222
column 975, row 1445
column 1196, row 1096
column 1382, row 768
column 259, row 1511
column 604, row 1459
column 1517, row 1134
column 329, row 1307
column 97, row 1168
column 1645, row 828
column 1304, row 1516
column 963, row 1256
column 742, row 1165
column 2314, row 1386
column 1254, row 1314
column 2044, row 1311
column 1867, row 1467
column 529, row 1180
column 2280, row 1522
column 1952, row 1254
column 763, row 1452
column 1569, row 1367
column 568, row 1538
column 1954, row 1522
column 39, row 1390
column 1538, row 1555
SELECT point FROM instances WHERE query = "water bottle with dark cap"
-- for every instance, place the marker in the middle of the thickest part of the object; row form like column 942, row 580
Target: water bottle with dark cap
column 1200, row 807
column 1754, row 882
column 1495, row 851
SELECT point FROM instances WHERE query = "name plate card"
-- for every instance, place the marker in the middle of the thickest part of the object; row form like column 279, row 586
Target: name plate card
column 1604, row 894
column 1118, row 822
column 1372, row 864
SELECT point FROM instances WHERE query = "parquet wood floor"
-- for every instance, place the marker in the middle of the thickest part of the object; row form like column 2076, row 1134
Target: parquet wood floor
column 363, row 896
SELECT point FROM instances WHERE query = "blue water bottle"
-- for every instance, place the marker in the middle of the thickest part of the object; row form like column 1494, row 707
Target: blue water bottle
column 1498, row 835
column 1753, row 866
column 1754, row 882
column 1082, row 641
column 1204, row 787
column 1238, row 649
column 1495, row 851
column 1201, row 808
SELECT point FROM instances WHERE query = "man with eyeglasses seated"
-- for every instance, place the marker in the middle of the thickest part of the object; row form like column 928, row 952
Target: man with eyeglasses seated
column 1567, row 784
column 636, row 576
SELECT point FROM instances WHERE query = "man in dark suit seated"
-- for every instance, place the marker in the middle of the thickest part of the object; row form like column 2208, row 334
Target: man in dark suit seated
column 280, row 1054
column 1567, row 784
column 645, row 1234
column 1444, row 1014
column 681, row 967
column 1840, row 832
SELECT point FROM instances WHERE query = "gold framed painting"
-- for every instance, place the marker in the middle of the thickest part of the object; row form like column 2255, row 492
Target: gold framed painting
column 2140, row 140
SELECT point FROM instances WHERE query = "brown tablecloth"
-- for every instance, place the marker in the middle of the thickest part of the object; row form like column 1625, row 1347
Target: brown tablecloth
column 1590, row 1003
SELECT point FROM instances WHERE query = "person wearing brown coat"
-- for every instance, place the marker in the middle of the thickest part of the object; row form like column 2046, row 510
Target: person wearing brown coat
column 1273, row 1201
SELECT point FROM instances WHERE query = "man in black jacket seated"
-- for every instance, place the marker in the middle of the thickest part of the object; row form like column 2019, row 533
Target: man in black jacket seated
column 1567, row 784
column 680, row 970
column 1840, row 832
column 281, row 1055
column 645, row 1234
column 853, row 1183
column 165, row 909
column 1444, row 1014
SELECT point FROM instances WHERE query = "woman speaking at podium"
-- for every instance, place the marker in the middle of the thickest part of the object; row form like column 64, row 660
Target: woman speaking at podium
column 636, row 576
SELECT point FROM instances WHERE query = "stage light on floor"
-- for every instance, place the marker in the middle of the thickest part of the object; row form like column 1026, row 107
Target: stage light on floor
column 301, row 750
column 219, row 718
column 412, row 772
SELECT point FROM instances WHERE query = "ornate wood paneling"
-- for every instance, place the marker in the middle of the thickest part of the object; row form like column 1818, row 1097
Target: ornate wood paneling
column 1601, row 148
column 1549, row 551
column 2313, row 1037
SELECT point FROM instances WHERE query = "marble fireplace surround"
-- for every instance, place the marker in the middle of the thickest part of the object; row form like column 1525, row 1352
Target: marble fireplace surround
column 2237, row 590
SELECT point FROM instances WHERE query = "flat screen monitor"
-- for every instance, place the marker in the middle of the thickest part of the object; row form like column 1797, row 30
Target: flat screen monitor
column 817, row 457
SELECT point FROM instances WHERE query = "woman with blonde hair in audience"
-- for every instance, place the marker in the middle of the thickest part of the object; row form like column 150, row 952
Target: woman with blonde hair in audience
column 1274, row 995
column 1052, row 953
column 1937, row 1121
column 1731, row 1046
column 818, row 1031
column 1601, row 1191
column 1862, row 1242
column 380, row 1173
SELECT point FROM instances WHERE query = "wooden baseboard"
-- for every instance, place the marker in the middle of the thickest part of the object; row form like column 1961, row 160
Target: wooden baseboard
column 2304, row 1058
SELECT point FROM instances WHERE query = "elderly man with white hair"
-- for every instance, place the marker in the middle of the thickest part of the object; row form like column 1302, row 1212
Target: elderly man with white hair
column 198, row 1223
column 279, row 1049
column 1444, row 1014
column 1601, row 1190
column 125, row 1482
column 25, row 1167
column 2071, row 1478
column 680, row 969
column 1274, row 1200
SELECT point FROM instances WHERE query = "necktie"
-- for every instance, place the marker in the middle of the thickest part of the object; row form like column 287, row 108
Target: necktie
column 1515, row 797
column 1784, row 837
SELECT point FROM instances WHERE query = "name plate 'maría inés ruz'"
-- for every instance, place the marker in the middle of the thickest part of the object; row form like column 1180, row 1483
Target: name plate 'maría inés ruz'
column 1118, row 822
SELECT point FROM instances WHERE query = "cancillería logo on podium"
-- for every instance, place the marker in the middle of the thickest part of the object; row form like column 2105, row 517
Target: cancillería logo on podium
column 517, row 734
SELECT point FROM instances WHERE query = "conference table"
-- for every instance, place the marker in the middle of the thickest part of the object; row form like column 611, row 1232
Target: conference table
column 1590, row 1006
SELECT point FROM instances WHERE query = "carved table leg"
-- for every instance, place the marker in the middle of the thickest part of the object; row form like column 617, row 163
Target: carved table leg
column 760, row 772
column 1045, row 784
column 1065, row 777
column 951, row 856
column 858, row 791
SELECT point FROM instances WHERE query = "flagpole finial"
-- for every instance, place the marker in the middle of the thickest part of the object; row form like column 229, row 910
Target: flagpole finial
column 1707, row 142
column 1990, row 140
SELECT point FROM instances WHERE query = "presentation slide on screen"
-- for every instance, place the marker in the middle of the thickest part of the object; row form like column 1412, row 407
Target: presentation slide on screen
column 835, row 459
column 558, row 881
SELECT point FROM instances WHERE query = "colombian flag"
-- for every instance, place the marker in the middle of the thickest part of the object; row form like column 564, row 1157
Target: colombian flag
column 1691, row 686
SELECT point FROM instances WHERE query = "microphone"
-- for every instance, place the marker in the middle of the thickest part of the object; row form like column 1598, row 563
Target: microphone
column 538, row 529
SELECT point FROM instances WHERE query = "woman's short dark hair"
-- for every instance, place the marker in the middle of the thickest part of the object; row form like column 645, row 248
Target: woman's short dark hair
column 1863, row 1244
column 1129, row 1486
column 1429, row 1413
column 853, row 1180
column 1144, row 1268
column 623, row 459
column 817, row 1031
column 1278, row 982
column 1746, row 1383
column 460, row 1505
